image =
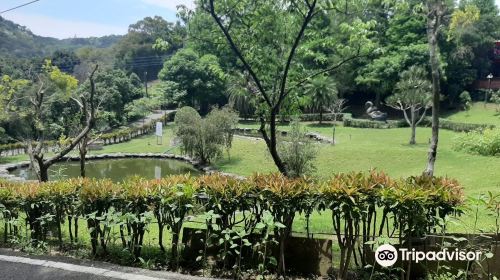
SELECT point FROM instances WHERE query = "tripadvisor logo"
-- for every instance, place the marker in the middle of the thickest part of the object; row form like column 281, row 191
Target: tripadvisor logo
column 386, row 255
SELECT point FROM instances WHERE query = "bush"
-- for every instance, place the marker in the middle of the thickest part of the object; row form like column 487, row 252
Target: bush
column 297, row 151
column 188, row 130
column 349, row 121
column 462, row 127
column 465, row 100
column 203, row 139
column 486, row 142
column 495, row 98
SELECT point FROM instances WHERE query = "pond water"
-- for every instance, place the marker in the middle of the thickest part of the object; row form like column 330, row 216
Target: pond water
column 114, row 169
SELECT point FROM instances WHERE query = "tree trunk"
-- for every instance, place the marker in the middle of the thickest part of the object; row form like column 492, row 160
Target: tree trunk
column 82, row 166
column 281, row 265
column 271, row 141
column 160, row 237
column 36, row 154
column 433, row 23
column 43, row 172
column 413, row 133
column 320, row 116
column 413, row 127
column 334, row 130
column 175, row 246
column 83, row 154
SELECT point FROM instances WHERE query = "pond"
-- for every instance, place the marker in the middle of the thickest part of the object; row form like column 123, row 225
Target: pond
column 114, row 169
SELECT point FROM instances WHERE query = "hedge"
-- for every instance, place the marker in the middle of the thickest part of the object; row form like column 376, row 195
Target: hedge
column 128, row 133
column 233, row 209
column 349, row 121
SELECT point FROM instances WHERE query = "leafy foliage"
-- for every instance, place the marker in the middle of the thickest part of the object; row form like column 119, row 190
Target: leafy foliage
column 199, row 78
column 135, row 52
column 413, row 95
column 483, row 142
column 298, row 151
column 321, row 92
column 203, row 139
column 466, row 100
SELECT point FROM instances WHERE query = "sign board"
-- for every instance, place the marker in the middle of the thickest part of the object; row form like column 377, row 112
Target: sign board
column 159, row 129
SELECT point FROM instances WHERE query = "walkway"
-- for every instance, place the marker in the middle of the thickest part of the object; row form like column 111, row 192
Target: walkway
column 17, row 266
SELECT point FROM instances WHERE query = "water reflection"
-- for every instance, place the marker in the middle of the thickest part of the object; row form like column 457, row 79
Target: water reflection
column 115, row 169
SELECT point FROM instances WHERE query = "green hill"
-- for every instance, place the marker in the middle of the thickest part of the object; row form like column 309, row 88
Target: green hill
column 18, row 41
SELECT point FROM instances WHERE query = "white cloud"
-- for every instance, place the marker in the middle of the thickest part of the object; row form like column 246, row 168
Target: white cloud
column 170, row 4
column 58, row 28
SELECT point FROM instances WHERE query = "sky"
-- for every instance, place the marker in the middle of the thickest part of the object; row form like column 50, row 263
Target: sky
column 87, row 18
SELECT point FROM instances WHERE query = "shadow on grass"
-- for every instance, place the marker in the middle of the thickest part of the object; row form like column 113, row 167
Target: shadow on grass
column 415, row 146
column 320, row 125
column 228, row 161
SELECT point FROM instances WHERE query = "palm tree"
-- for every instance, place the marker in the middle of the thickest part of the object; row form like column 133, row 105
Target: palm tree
column 321, row 92
column 237, row 92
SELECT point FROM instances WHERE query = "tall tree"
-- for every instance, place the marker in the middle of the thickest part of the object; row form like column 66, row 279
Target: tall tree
column 135, row 52
column 200, row 78
column 464, row 51
column 435, row 12
column 412, row 97
column 268, row 37
column 402, row 42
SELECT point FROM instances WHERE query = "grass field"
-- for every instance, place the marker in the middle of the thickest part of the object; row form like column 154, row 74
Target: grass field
column 478, row 114
column 383, row 149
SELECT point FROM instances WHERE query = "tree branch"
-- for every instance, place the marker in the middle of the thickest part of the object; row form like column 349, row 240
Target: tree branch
column 423, row 116
column 85, row 131
column 238, row 53
column 305, row 23
column 330, row 69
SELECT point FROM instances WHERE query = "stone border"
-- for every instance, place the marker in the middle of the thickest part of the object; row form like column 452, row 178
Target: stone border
column 6, row 169
column 312, row 135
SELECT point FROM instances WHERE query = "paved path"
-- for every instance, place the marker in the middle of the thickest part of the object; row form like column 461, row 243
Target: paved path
column 151, row 117
column 17, row 266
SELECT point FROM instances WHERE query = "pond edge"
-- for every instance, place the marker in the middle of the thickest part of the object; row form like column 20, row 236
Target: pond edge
column 6, row 169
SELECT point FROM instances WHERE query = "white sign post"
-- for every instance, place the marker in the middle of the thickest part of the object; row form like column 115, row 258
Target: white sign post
column 159, row 133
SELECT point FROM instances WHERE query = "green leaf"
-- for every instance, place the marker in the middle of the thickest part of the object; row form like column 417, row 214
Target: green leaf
column 279, row 225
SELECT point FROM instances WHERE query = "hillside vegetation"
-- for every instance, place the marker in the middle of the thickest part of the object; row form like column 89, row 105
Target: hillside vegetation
column 18, row 41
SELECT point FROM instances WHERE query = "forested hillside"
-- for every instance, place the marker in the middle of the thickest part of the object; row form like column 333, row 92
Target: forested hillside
column 18, row 41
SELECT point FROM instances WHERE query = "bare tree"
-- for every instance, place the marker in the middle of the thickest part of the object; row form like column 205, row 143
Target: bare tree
column 35, row 149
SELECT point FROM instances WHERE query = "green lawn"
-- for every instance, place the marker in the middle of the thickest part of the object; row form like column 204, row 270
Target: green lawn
column 383, row 149
column 478, row 114
column 145, row 144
